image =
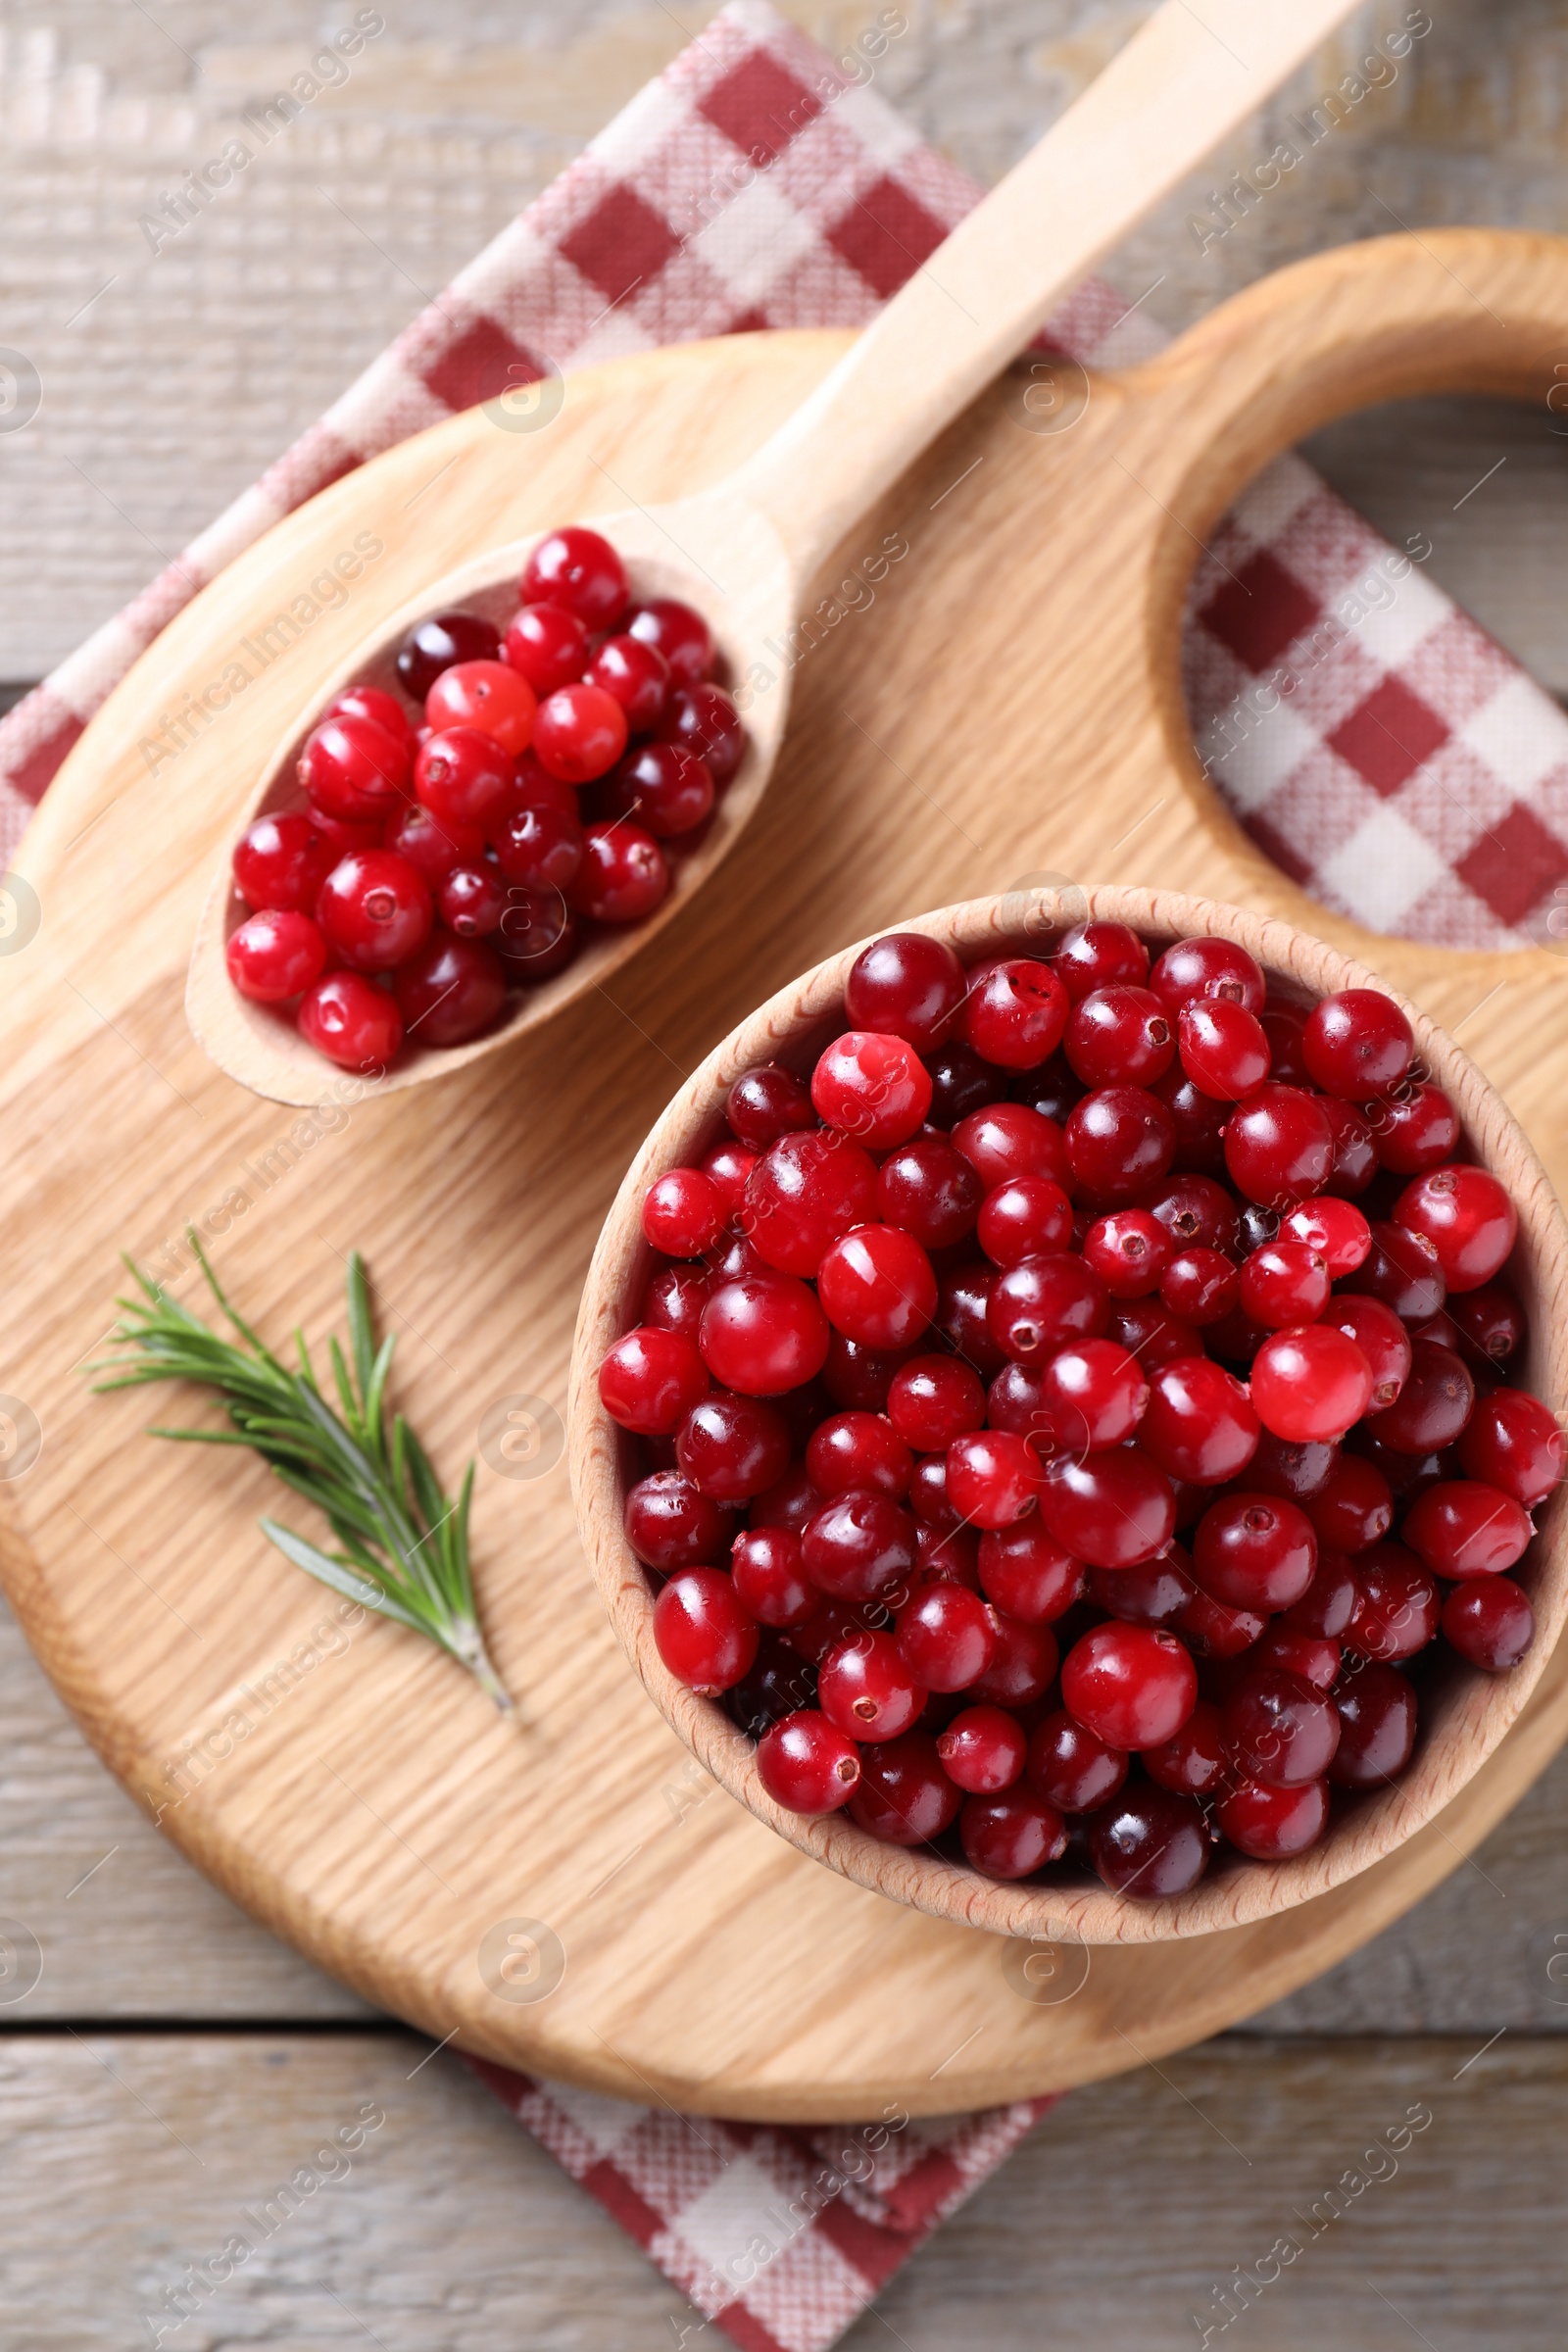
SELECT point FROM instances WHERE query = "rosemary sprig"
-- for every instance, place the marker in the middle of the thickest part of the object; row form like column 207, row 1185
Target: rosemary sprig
column 404, row 1546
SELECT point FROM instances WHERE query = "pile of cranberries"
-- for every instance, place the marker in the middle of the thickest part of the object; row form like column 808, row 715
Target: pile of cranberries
column 1075, row 1415
column 449, row 849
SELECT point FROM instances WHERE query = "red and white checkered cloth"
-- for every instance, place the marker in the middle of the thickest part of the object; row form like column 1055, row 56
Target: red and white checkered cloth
column 1375, row 741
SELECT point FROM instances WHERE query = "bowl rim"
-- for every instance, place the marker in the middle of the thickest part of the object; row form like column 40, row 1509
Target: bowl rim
column 1474, row 1711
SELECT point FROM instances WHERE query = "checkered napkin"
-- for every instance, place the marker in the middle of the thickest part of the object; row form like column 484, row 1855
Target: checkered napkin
column 1376, row 743
column 780, row 2237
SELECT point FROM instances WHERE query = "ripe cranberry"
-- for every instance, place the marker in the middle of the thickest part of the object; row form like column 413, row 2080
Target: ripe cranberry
column 949, row 1555
column 1402, row 1271
column 1119, row 1037
column 1145, row 1330
column 682, row 1213
column 1490, row 1323
column 1025, row 1217
column 1006, row 1141
column 1461, row 1527
column 1197, row 1212
column 1512, row 1441
column 964, row 1297
column 876, row 1285
column 275, row 956
column 804, row 1192
column 1119, row 1140
column 704, row 1635
column 1433, row 1405
column 280, row 863
column 769, row 1581
column 1016, row 1015
column 858, row 1545
column 579, row 732
column 1279, row 1729
column 671, row 1523
column 859, row 1449
column 905, row 1796
column 1312, row 1656
column 540, row 848
column 434, row 645
column 929, row 1500
column 1488, row 1620
column 1278, row 1147
column 1283, row 1283
column 858, row 1379
column 465, row 777
column 703, row 722
column 1151, row 1844
column 1045, row 1304
column 351, row 768
column 731, row 1447
column 1296, row 1471
column 1353, row 1507
column 1027, row 1574
column 536, row 937
column 382, row 710
column 1194, row 1762
column 636, row 675
column 1201, row 1285
column 1155, row 1594
column 675, row 1299
column 932, row 1400
column 547, row 644
column 872, row 1087
column 623, row 875
column 1255, row 1551
column 1091, row 1396
column 1194, row 969
column 728, row 1168
column 1377, row 1710
column 982, row 1751
column 1417, row 1129
column 1110, row 1510
column 766, row 1103
column 1023, row 1668
column 1214, row 1631
column 1199, row 1123
column 763, row 1334
column 1356, row 1044
column 806, row 1764
column 1012, row 1836
column 487, row 695
column 1093, row 955
column 1128, row 1250
column 1382, row 1339
column 580, row 570
column 864, row 1687
column 962, row 1083
column 470, row 901
column 1467, row 1217
column 449, row 991
column 1355, row 1158
column 1326, row 1607
column 1334, row 1230
column 929, row 1190
column 674, row 630
column 1199, row 1425
column 1273, row 1824
column 947, row 1636
column 1310, row 1384
column 1223, row 1049
column 663, row 788
column 905, row 985
column 1072, row 1767
column 992, row 1478
column 1396, row 1611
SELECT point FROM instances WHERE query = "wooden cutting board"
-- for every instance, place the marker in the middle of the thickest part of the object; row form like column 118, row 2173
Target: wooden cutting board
column 994, row 699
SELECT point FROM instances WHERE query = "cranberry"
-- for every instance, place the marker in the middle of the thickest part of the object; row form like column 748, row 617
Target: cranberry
column 547, row 644
column 1396, row 1611
column 859, row 1449
column 804, row 1192
column 929, row 1500
column 992, row 1478
column 1153, row 1594
column 703, row 722
column 949, row 1555
column 1279, row 1729
column 1223, row 1049
column 1016, row 1015
column 1025, row 1217
column 635, row 675
column 1353, row 1507
column 857, row 1544
column 904, row 1796
column 1356, row 1044
column 964, row 1297
column 580, row 570
column 485, row 695
column 1326, row 1607
column 1461, row 1528
column 983, row 1750
column 579, row 732
column 675, row 1297
column 1012, row 1836
column 1194, row 969
column 540, row 848
column 864, row 1687
column 674, row 630
column 536, row 937
column 763, row 1334
column 274, row 955
column 1091, row 1396
column 470, row 901
column 1382, row 1339
column 352, row 1021
column 1072, row 1767
column 1192, row 1762
column 728, row 1168
column 1334, row 1229
column 808, row 1765
column 350, row 767
column 463, row 777
column 449, row 991
column 1512, row 1441
column 671, row 1523
column 731, row 1447
column 1128, row 1250
column 1202, row 1286
column 682, row 1212
column 1355, row 1157
column 1490, row 1325
column 933, row 1193
column 1154, row 1337
column 1282, row 1025
column 1417, row 1129
column 905, row 985
column 435, row 645
column 932, row 1400
column 1377, row 1710
column 1402, row 1270
column 858, row 1379
column 623, row 875
column 946, row 1637
column 872, row 1087
column 1272, row 1823
column 1151, row 1844
column 1006, row 1141
column 1119, row 1037
column 1197, row 1212
column 1027, row 1574
column 1199, row 1425
column 1313, row 1658
column 1281, row 1466
column 1278, row 1147
column 1488, row 1620
column 382, row 710
column 1283, row 1283
column 1467, row 1217
column 1023, row 1668
column 1119, row 1139
column 1214, row 1631
column 961, row 1084
column 1310, row 1384
column 766, row 1103
column 1255, row 1551
column 1093, row 955
column 1433, row 1408
column 1044, row 1305
column 1110, row 1510
column 876, row 1285
column 664, row 787
column 703, row 1635
column 769, row 1581
column 280, row 863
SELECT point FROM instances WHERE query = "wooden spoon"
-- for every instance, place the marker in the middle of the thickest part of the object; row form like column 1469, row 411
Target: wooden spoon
column 745, row 551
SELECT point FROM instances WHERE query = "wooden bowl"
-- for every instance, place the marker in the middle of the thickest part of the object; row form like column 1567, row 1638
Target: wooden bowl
column 1464, row 1714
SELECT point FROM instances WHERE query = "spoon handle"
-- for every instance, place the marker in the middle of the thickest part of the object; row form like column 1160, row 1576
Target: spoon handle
column 1189, row 76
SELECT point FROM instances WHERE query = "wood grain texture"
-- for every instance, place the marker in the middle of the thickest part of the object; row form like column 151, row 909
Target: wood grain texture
column 338, row 1828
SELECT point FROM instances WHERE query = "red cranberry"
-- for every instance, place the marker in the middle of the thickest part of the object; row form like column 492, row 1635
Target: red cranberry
column 703, row 722
column 1194, row 1762
column 1278, row 1147
column 637, row 676
column 766, row 1103
column 1223, row 1049
column 1110, row 1510
column 804, row 1192
column 992, row 1478
column 872, row 1087
column 579, row 732
column 677, row 632
column 1467, row 1217
column 1332, row 1230
column 1272, row 1823
column 876, row 1285
column 1377, row 1710
column 547, row 644
column 1199, row 1425
column 1146, row 1331
column 449, row 991
column 1433, row 1405
column 671, row 1523
column 1356, row 1044
column 932, row 1400
column 540, row 848
column 675, row 1299
column 1008, row 1140
column 864, row 1687
column 1353, row 1507
column 1461, row 1528
column 1490, row 1325
column 280, row 863
column 905, row 1796
column 1278, row 1729
column 763, row 1334
column 1417, row 1129
column 275, row 956
column 1255, row 1551
column 1119, row 1140
column 1091, row 1396
column 1043, row 1305
column 808, row 1765
column 373, row 703
column 1326, row 1607
column 1402, row 1270
column 962, row 1316
column 1012, row 1836
column 905, row 985
column 1296, row 1471
column 623, row 876
column 961, row 1084
column 931, row 1192
column 1095, row 956
column 1512, row 1441
column 1396, row 1611
column 1194, row 969
column 1488, row 1620
column 703, row 1635
column 731, row 1447
column 1016, row 1015
column 537, row 937
column 858, row 1379
column 859, row 1449
column 682, row 1212
column 1151, row 1844
column 769, row 1581
column 1023, row 1668
column 1128, row 1250
column 1201, row 1285
column 1027, row 1574
column 1071, row 1767
column 1310, row 1384
column 1026, row 1217
column 350, row 767
column 464, row 778
column 1155, row 1594
column 946, row 1637
column 1355, row 1158
column 663, row 788
column 470, row 901
column 982, row 1751
column 1382, row 1339
column 728, row 1168
column 486, row 695
column 580, row 570
column 1119, row 1037
column 858, row 1545
column 1283, row 1283
column 352, row 1021
column 1312, row 1656
column 434, row 645
column 1214, row 1631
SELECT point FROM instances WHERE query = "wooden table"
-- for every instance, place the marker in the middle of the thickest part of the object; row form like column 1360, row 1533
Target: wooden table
column 174, row 2065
